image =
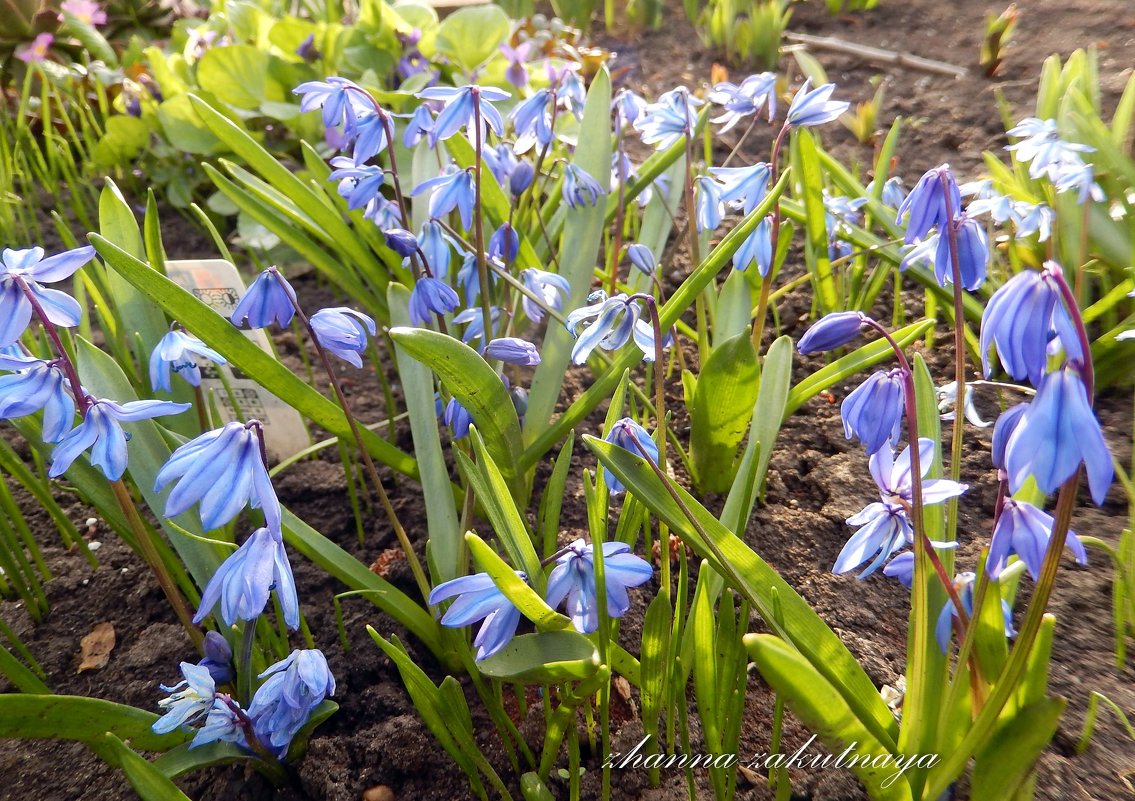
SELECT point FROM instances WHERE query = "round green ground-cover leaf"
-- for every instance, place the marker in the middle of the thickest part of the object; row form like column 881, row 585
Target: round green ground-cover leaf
column 471, row 35
column 237, row 74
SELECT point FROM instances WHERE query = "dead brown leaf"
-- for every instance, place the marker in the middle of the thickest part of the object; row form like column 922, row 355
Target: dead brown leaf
column 95, row 648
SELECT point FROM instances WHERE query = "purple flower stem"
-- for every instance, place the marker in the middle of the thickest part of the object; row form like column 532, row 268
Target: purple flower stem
column 368, row 463
column 959, row 356
column 142, row 534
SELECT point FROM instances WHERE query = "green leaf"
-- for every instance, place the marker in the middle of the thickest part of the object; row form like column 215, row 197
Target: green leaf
column 654, row 665
column 1007, row 760
column 243, row 354
column 237, row 74
column 548, row 657
column 72, row 717
column 184, row 129
column 530, row 603
column 122, row 141
column 447, row 546
column 720, row 411
column 477, row 387
column 182, row 759
column 21, row 677
column 471, row 35
column 810, row 183
column 147, row 780
column 795, row 620
column 582, row 237
column 822, row 708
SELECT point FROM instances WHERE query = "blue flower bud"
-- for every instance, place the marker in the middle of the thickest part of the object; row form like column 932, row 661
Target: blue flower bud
column 831, row 331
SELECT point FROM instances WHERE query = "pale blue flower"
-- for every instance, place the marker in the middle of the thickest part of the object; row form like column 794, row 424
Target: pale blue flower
column 580, row 189
column 934, row 201
column 739, row 102
column 31, row 268
column 421, row 123
column 244, row 580
column 283, row 704
column 189, row 699
column 532, row 121
column 177, row 352
column 359, row 185
column 344, row 332
column 101, row 432
column 832, row 331
column 479, row 598
column 1025, row 530
column 573, row 578
column 743, row 187
column 632, row 437
column 642, row 257
column 673, row 117
column 38, row 385
column 814, row 106
column 709, row 204
column 513, row 350
column 431, row 296
column 551, row 288
column 461, row 103
column 224, row 470
column 453, row 189
column 270, row 299
column 873, row 411
column 963, row 585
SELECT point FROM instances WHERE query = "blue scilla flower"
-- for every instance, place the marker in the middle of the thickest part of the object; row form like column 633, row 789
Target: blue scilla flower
column 218, row 659
column 642, row 257
column 709, row 205
column 512, row 173
column 474, row 321
column 963, row 584
column 893, row 192
column 38, row 385
column 461, row 103
column 580, row 189
column 663, row 123
column 614, row 324
column 743, row 187
column 478, row 598
column 458, row 419
column 1056, row 433
column 832, row 331
column 244, row 580
column 359, row 185
column 973, row 253
column 431, row 296
column 884, row 529
column 1041, row 147
column 626, row 107
column 421, row 123
column 739, row 102
column 571, row 94
column 453, row 189
column 1003, row 430
column 840, row 213
column 895, row 479
column 814, row 106
column 283, row 704
column 901, row 568
column 190, row 699
column 341, row 100
column 513, row 350
column 101, row 432
column 224, row 470
column 1025, row 530
column 1033, row 218
column 344, row 332
column 437, row 246
column 222, row 724
column 573, row 578
column 629, row 436
column 1019, row 322
column 385, row 214
column 551, row 288
column 1075, row 175
column 176, row 352
column 873, row 411
column 532, row 120
column 19, row 268
column 401, row 241
column 757, row 248
column 934, row 201
column 370, row 136
column 270, row 299
column 504, row 244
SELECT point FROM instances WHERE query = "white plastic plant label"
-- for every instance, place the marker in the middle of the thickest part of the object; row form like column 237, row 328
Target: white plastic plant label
column 217, row 283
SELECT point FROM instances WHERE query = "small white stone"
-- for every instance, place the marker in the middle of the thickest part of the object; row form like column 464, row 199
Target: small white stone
column 95, row 545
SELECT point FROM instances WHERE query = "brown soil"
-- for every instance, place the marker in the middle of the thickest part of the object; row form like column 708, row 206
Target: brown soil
column 816, row 480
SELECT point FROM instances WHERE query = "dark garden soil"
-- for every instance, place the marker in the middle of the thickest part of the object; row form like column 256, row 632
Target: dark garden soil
column 816, row 480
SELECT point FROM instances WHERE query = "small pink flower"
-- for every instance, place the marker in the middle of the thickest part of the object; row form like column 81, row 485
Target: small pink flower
column 37, row 50
column 86, row 11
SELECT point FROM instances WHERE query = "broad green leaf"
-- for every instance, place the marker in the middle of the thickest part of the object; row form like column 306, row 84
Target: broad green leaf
column 184, row 129
column 242, row 353
column 1007, row 760
column 182, row 759
column 706, row 666
column 579, row 249
column 720, row 411
column 471, row 35
column 795, row 620
column 523, row 597
column 21, row 677
column 148, row 782
column 823, row 709
column 122, row 141
column 236, row 74
column 654, row 665
column 447, row 546
column 477, row 387
column 72, row 717
column 548, row 657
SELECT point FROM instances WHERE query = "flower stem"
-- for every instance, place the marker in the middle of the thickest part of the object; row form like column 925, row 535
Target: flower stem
column 959, row 357
column 368, row 463
column 479, row 224
column 774, row 239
